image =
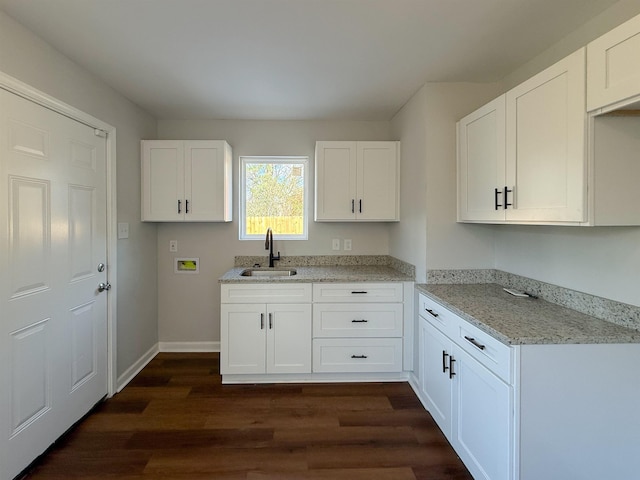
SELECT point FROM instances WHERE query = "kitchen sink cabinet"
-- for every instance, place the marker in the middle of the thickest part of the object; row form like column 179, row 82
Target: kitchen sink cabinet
column 186, row 181
column 259, row 337
column 357, row 181
column 613, row 66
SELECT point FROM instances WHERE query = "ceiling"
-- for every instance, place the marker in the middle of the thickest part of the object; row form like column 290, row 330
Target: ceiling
column 295, row 59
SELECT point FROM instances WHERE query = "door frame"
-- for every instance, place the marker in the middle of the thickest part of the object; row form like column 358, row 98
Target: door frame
column 34, row 95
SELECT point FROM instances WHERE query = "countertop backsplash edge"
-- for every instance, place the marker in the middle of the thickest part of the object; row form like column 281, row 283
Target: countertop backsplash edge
column 603, row 308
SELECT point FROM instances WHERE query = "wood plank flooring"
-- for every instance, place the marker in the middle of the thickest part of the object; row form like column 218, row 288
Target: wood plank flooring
column 176, row 421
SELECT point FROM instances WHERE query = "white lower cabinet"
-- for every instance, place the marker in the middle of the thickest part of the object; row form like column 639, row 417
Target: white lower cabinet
column 464, row 383
column 306, row 332
column 259, row 337
column 357, row 327
column 470, row 404
column 482, row 418
column 265, row 338
column 529, row 412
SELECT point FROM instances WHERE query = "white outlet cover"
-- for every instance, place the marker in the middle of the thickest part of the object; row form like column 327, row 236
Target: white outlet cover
column 173, row 245
column 347, row 244
column 335, row 244
column 123, row 230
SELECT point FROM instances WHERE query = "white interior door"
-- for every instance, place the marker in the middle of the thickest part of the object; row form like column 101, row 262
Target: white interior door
column 53, row 319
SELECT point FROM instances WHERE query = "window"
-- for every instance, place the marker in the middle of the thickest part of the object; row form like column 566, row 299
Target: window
column 273, row 193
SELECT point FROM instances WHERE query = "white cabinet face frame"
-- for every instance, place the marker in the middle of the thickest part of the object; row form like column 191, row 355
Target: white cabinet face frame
column 546, row 141
column 613, row 66
column 481, row 163
column 357, row 181
column 186, row 181
column 162, row 180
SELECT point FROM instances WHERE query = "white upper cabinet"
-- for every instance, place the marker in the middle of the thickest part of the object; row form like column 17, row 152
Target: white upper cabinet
column 481, row 163
column 613, row 66
column 357, row 181
column 521, row 157
column 545, row 122
column 186, row 181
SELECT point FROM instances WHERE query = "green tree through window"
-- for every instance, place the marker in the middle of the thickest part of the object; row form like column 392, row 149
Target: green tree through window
column 274, row 196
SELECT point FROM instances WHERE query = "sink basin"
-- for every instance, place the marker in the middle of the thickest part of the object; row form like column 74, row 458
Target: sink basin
column 264, row 272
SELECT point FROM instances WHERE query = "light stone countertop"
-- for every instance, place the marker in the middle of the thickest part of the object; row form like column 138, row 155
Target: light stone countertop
column 520, row 321
column 330, row 273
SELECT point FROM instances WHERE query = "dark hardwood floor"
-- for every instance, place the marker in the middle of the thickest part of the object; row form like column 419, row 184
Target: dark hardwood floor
column 176, row 421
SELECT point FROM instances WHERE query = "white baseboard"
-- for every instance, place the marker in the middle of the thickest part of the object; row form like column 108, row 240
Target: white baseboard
column 134, row 369
column 189, row 346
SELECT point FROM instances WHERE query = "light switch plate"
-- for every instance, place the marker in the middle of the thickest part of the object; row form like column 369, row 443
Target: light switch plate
column 123, row 230
column 347, row 244
column 335, row 244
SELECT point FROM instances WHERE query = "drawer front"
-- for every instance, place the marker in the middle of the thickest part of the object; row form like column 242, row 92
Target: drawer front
column 438, row 315
column 357, row 320
column 491, row 353
column 265, row 293
column 357, row 355
column 357, row 292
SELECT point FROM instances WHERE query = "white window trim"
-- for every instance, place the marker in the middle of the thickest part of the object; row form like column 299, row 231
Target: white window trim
column 244, row 160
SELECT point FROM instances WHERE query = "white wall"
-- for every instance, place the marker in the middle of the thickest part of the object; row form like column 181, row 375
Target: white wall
column 428, row 235
column 26, row 57
column 599, row 261
column 189, row 304
column 452, row 245
column 408, row 238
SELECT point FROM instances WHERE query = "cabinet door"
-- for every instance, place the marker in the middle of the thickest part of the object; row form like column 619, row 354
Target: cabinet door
column 162, row 180
column 207, row 189
column 481, row 163
column 289, row 338
column 243, row 330
column 545, row 164
column 335, row 181
column 435, row 384
column 613, row 66
column 377, row 181
column 482, row 427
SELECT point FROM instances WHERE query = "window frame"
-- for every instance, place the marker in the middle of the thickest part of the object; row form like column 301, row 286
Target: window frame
column 242, row 212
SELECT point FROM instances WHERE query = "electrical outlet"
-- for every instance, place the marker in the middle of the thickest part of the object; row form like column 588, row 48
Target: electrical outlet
column 347, row 244
column 173, row 245
column 123, row 230
column 335, row 244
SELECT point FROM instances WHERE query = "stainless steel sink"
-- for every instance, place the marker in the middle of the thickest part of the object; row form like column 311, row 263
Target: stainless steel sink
column 267, row 272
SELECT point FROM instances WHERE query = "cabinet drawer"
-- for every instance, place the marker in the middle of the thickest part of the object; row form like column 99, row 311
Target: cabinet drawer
column 265, row 293
column 491, row 353
column 357, row 320
column 357, row 355
column 357, row 292
column 442, row 318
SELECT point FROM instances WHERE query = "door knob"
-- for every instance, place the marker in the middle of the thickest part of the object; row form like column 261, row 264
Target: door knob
column 104, row 286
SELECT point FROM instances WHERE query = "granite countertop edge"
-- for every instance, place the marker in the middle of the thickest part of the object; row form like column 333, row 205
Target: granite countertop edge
column 525, row 321
column 318, row 274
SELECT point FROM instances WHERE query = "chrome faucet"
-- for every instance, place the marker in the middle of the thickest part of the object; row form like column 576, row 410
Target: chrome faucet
column 268, row 245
